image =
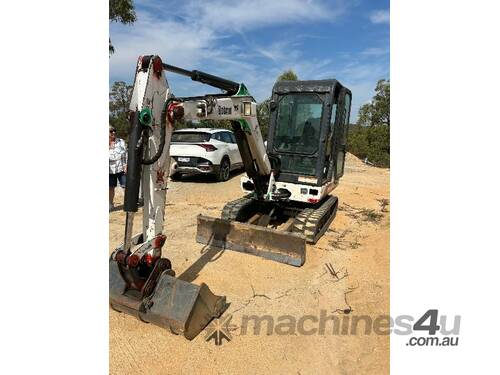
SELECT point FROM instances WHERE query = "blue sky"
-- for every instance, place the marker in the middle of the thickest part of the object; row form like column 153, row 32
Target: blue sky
column 254, row 41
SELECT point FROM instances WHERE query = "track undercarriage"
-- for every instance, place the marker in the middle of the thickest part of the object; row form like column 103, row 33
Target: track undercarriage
column 273, row 230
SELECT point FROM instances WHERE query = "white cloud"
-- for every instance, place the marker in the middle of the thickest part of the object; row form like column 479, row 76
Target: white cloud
column 279, row 51
column 359, row 76
column 191, row 33
column 241, row 15
column 375, row 51
column 200, row 35
column 176, row 42
column 380, row 16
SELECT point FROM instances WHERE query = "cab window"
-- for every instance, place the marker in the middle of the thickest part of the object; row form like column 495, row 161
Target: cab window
column 226, row 137
column 298, row 125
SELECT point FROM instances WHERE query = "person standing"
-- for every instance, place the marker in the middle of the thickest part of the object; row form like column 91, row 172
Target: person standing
column 117, row 164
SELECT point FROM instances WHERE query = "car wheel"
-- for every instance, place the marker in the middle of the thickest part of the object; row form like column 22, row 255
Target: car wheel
column 224, row 170
column 175, row 176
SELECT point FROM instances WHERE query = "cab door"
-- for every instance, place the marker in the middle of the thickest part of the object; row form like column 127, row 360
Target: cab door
column 344, row 112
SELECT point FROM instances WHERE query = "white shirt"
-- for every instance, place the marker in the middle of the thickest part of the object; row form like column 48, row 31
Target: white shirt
column 117, row 156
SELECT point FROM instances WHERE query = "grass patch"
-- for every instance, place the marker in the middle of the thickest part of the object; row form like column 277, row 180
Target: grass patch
column 371, row 215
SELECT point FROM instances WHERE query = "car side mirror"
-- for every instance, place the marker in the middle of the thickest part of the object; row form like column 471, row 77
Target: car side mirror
column 273, row 105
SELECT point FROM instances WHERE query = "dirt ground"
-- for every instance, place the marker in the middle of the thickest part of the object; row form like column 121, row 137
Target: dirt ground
column 356, row 246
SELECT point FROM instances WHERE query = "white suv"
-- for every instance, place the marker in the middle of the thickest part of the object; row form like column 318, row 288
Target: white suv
column 206, row 151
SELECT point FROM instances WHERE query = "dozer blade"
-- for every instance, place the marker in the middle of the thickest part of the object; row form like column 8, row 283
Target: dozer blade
column 177, row 305
column 280, row 246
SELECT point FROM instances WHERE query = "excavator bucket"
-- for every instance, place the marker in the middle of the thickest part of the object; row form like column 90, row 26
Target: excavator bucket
column 182, row 307
column 280, row 246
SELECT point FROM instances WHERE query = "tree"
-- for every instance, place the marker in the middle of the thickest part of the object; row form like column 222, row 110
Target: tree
column 377, row 112
column 219, row 124
column 119, row 99
column 263, row 115
column 287, row 75
column 370, row 137
column 121, row 11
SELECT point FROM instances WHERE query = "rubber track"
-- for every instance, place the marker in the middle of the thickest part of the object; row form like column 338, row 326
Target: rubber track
column 232, row 209
column 309, row 221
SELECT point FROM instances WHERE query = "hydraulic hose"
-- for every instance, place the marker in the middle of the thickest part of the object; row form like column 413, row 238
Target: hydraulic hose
column 134, row 169
column 163, row 132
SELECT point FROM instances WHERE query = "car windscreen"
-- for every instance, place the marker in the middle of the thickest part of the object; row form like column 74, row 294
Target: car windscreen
column 190, row 137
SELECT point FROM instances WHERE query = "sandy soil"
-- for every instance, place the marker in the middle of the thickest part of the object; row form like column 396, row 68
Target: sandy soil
column 356, row 246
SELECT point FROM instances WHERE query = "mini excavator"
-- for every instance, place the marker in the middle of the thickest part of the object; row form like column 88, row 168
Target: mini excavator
column 287, row 186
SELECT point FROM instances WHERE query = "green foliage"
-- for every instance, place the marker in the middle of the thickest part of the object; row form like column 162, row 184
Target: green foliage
column 371, row 143
column 218, row 124
column 121, row 11
column 287, row 75
column 121, row 125
column 119, row 99
column 377, row 112
column 182, row 124
column 370, row 137
column 263, row 114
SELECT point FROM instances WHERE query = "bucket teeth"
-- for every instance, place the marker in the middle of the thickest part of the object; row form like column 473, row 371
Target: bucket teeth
column 283, row 247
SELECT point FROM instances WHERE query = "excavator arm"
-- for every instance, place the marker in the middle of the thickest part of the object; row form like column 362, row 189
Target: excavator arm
column 142, row 282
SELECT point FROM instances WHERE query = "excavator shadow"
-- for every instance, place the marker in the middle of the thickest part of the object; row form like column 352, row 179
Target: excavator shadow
column 207, row 178
column 116, row 208
column 209, row 254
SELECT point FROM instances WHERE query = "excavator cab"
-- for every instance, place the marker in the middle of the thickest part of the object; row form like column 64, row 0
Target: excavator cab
column 308, row 130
